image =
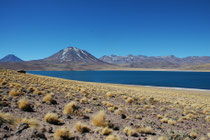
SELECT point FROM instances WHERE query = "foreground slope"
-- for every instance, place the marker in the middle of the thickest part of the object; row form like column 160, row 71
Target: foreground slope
column 53, row 108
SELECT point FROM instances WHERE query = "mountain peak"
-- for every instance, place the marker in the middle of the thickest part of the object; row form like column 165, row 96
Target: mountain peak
column 73, row 55
column 10, row 58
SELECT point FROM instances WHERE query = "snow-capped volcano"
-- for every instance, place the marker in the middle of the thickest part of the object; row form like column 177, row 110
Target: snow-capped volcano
column 73, row 55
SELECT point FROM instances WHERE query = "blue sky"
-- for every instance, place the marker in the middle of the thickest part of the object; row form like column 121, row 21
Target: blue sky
column 34, row 29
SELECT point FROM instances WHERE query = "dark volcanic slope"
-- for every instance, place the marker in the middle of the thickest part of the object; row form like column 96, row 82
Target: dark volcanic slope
column 11, row 58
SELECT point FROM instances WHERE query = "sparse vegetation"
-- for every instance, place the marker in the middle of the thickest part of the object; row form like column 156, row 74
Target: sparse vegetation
column 126, row 111
column 48, row 99
column 15, row 92
column 81, row 127
column 24, row 104
column 99, row 119
column 52, row 118
column 106, row 131
column 70, row 108
column 63, row 134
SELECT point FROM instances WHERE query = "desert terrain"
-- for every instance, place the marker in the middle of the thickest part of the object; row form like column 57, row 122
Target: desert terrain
column 40, row 107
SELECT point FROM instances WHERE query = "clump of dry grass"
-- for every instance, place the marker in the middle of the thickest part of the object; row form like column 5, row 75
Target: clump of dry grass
column 119, row 111
column 81, row 127
column 83, row 100
column 24, row 104
column 15, row 92
column 30, row 89
column 38, row 92
column 164, row 120
column 33, row 123
column 193, row 134
column 207, row 118
column 52, row 118
column 130, row 131
column 70, row 108
column 208, row 134
column 8, row 119
column 146, row 130
column 63, row 134
column 171, row 122
column 99, row 119
column 159, row 116
column 48, row 99
column 109, row 94
column 106, row 131
column 203, row 138
column 162, row 138
column 129, row 100
column 112, row 137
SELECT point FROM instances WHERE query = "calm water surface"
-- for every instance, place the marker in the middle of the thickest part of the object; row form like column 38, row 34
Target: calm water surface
column 200, row 80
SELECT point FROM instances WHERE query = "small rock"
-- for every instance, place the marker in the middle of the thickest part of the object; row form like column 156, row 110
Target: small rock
column 50, row 130
column 86, row 117
column 68, row 117
column 123, row 116
column 21, row 127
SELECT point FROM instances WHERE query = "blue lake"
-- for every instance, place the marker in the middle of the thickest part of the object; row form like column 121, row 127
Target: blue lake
column 199, row 80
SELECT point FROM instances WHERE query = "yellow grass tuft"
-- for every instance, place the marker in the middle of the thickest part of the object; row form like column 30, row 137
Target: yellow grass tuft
column 83, row 100
column 171, row 122
column 147, row 130
column 130, row 131
column 8, row 119
column 48, row 99
column 112, row 137
column 81, row 127
column 14, row 92
column 208, row 134
column 99, row 119
column 129, row 100
column 193, row 134
column 33, row 123
column 63, row 134
column 24, row 104
column 106, row 131
column 52, row 118
column 203, row 138
column 164, row 120
column 162, row 138
column 207, row 118
column 70, row 108
column 159, row 116
column 38, row 92
column 109, row 94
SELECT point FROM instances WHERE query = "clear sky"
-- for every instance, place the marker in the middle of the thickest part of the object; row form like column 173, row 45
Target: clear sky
column 34, row 29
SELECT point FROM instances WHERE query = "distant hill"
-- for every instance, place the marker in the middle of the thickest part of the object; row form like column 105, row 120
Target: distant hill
column 141, row 61
column 70, row 58
column 198, row 67
column 11, row 58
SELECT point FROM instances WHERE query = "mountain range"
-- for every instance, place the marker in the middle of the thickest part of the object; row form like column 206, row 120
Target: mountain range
column 72, row 58
column 141, row 61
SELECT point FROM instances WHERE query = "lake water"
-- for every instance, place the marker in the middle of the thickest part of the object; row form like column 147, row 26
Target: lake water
column 199, row 80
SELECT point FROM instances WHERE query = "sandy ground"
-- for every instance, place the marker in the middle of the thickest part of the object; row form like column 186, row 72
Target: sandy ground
column 126, row 111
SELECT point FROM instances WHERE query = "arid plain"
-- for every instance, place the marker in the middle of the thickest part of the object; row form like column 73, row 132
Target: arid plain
column 39, row 107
